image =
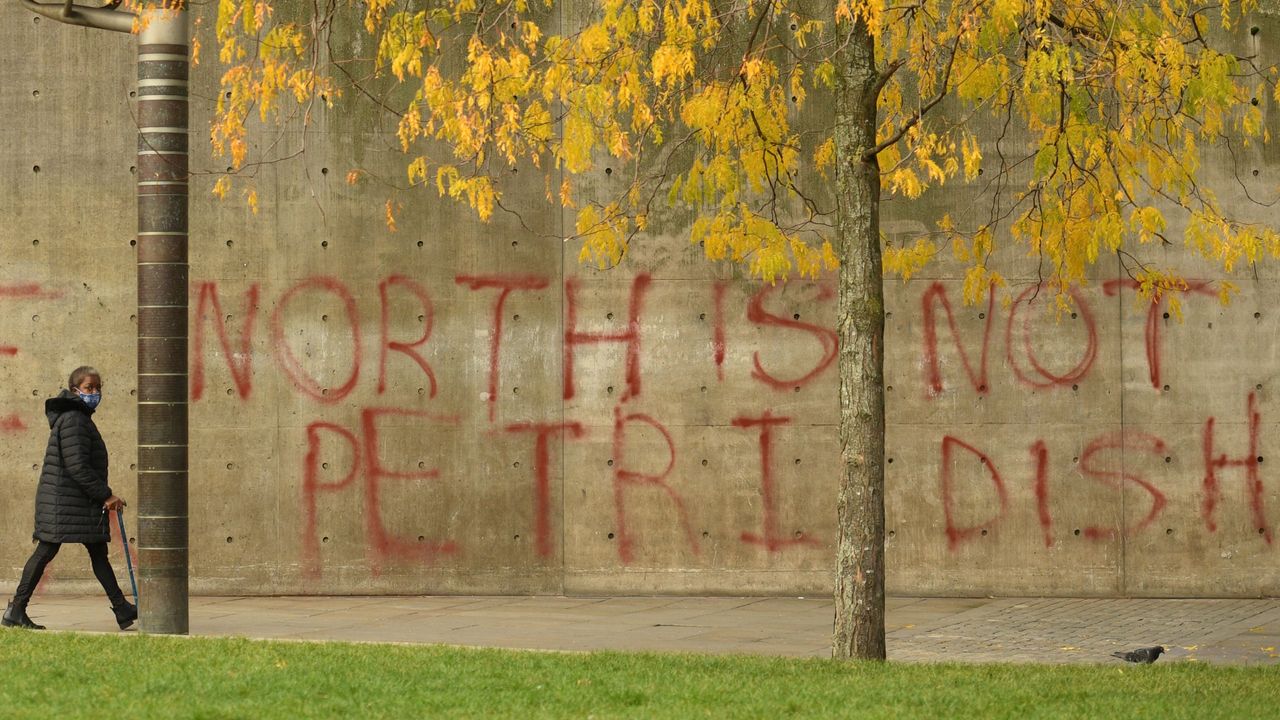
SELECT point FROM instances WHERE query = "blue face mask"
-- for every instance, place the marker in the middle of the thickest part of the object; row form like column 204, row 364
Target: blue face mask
column 91, row 399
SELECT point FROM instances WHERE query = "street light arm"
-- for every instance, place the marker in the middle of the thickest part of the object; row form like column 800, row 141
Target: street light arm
column 103, row 18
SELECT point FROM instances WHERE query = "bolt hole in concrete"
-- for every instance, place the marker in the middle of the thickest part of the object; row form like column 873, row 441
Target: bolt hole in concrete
column 515, row 243
column 797, row 461
column 324, row 171
column 133, row 94
column 609, row 463
column 1075, row 387
column 610, row 536
column 324, row 243
column 35, row 467
column 229, row 539
column 230, row 243
column 229, row 391
column 703, row 388
column 1166, row 316
column 133, row 466
column 1258, row 386
column 515, row 464
column 1255, row 173
column 422, row 391
column 35, row 393
column 1075, row 459
column 1257, row 316
column 422, row 465
column 133, row 169
column 419, row 243
column 324, row 466
column 890, row 461
column 608, row 171
column 515, row 537
column 324, row 391
column 37, row 242
column 1168, row 531
column 609, row 390
column 35, row 168
column 1074, row 316
column 892, row 533
column 984, row 533
column 35, row 93
column 132, row 393
column 982, row 388
column 704, row 462
column 231, row 466
column 515, row 318
column 608, row 316
column 133, row 318
column 1076, row 532
column 796, row 316
column 133, row 540
column 1255, row 30
column 515, row 391
column 1168, row 459
column 705, row 534
column 422, row 538
column 982, row 316
column 797, row 388
column 1259, row 458
column 324, row 539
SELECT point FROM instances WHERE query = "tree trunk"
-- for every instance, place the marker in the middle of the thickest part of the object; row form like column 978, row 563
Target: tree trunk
column 859, row 587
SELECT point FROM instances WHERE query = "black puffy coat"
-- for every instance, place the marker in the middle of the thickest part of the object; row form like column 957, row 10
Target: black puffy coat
column 73, row 483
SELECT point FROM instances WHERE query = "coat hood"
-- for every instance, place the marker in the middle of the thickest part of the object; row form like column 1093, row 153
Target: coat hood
column 66, row 401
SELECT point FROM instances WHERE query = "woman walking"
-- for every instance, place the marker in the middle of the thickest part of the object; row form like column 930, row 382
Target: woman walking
column 73, row 498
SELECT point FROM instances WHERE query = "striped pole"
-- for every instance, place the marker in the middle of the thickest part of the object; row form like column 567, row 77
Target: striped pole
column 163, row 63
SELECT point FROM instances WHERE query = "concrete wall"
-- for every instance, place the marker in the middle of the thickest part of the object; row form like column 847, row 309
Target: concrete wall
column 361, row 424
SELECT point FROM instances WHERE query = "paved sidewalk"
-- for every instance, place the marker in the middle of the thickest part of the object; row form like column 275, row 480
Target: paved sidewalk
column 1055, row 630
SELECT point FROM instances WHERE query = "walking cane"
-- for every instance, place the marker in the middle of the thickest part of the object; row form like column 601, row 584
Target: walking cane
column 124, row 540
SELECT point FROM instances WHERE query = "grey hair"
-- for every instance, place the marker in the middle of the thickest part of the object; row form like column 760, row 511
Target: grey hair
column 79, row 374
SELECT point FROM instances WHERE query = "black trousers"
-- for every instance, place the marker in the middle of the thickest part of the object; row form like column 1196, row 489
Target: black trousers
column 44, row 554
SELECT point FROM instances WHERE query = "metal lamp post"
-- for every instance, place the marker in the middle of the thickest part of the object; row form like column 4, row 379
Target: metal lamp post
column 164, row 51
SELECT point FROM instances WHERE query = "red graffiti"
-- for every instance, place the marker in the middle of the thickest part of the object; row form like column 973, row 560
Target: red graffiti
column 624, row 478
column 937, row 295
column 240, row 361
column 428, row 321
column 1251, row 463
column 384, row 544
column 1127, row 442
column 773, row 540
column 289, row 362
column 827, row 337
column 544, row 433
column 24, row 291
column 717, row 338
column 311, row 486
column 1154, row 315
column 28, row 291
column 1049, row 378
column 1040, row 455
column 955, row 535
column 573, row 337
column 505, row 284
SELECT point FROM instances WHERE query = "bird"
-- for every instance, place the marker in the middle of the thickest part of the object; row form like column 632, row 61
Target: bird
column 1145, row 656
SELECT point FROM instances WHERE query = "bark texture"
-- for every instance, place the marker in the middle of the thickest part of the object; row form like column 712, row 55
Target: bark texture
column 859, row 583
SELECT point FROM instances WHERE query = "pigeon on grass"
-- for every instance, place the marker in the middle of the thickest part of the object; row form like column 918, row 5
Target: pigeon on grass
column 1146, row 656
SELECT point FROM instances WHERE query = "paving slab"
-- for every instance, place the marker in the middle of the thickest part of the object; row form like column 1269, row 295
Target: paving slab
column 1051, row 630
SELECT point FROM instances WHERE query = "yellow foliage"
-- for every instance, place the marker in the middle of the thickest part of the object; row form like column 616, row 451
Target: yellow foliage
column 713, row 108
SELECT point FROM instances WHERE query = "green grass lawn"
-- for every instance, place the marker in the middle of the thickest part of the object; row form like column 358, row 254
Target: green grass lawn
column 127, row 677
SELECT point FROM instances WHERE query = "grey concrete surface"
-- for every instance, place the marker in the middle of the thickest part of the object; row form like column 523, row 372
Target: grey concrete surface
column 1098, row 450
column 1050, row 630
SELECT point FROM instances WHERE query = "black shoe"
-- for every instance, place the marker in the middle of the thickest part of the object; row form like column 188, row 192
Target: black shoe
column 125, row 614
column 17, row 617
